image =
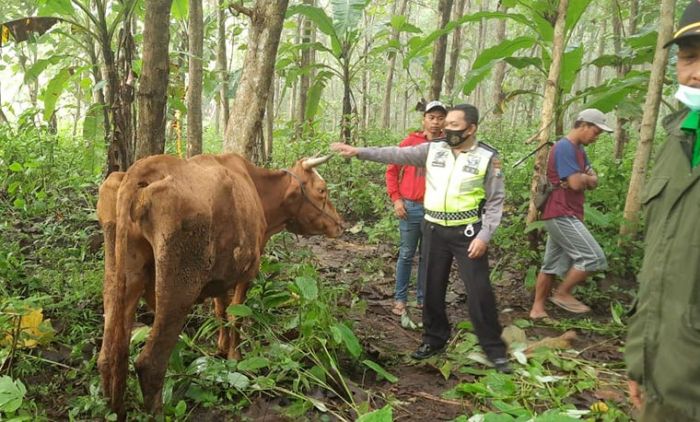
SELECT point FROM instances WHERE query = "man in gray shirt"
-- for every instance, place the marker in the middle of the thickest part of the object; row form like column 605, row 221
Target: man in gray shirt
column 463, row 202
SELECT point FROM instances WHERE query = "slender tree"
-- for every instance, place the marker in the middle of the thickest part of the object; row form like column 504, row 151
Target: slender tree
column 499, row 72
column 243, row 129
column 549, row 102
column 399, row 10
column 648, row 127
column 221, row 67
column 455, row 50
column 440, row 51
column 153, row 83
column 305, row 64
column 194, row 76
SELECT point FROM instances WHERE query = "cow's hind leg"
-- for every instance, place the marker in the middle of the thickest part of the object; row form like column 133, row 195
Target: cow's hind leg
column 172, row 307
column 239, row 295
column 113, row 359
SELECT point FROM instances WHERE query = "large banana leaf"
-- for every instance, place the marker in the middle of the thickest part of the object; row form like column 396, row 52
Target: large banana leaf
column 324, row 24
column 485, row 61
column 54, row 90
column 613, row 93
column 420, row 46
column 180, row 9
column 574, row 12
column 570, row 67
column 313, row 98
column 347, row 14
column 55, row 7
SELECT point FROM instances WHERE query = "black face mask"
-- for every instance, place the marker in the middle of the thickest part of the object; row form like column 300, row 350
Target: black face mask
column 455, row 137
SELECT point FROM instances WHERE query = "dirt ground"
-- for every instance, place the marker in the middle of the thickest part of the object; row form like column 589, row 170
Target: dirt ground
column 417, row 394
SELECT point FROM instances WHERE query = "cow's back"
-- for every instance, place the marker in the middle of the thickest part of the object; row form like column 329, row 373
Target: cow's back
column 201, row 215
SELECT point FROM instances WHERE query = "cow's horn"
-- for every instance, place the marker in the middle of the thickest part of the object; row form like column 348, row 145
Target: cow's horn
column 310, row 163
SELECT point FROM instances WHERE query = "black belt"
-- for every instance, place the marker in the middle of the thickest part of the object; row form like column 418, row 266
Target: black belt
column 452, row 216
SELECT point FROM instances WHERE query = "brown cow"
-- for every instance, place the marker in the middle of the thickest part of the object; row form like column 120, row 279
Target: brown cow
column 179, row 231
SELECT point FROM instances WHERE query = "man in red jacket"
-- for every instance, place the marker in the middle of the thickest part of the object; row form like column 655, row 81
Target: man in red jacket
column 406, row 187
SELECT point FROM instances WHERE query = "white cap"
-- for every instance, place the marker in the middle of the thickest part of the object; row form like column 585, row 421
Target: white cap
column 435, row 104
column 595, row 116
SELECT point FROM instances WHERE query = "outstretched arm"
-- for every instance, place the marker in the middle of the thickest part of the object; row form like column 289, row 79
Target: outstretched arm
column 412, row 156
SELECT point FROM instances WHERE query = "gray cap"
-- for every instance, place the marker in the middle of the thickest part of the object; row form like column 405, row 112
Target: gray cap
column 433, row 105
column 595, row 116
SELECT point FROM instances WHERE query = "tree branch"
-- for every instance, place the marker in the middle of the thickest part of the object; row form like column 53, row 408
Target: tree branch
column 238, row 8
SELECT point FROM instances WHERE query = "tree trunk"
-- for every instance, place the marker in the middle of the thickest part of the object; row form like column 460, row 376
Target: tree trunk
column 153, row 84
column 480, row 45
column 620, row 134
column 118, row 92
column 386, row 109
column 440, row 51
column 194, row 76
column 499, row 72
column 365, row 74
column 98, row 94
column 269, row 124
column 549, row 103
column 221, row 67
column 305, row 64
column 78, row 106
column 648, row 126
column 266, row 20
column 346, row 116
column 457, row 13
column 601, row 51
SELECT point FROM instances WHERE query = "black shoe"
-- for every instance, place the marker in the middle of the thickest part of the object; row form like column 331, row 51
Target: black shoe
column 502, row 366
column 425, row 351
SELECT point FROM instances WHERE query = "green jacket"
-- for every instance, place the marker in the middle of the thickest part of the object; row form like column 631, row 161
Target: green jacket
column 663, row 342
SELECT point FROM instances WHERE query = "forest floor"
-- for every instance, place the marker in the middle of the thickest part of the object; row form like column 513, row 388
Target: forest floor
column 418, row 395
column 421, row 390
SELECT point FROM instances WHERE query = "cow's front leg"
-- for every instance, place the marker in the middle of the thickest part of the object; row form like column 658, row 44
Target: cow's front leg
column 221, row 303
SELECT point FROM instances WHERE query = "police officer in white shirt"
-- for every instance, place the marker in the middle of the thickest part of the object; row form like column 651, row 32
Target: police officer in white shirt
column 463, row 206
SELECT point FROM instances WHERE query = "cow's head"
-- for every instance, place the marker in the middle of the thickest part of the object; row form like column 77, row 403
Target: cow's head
column 311, row 209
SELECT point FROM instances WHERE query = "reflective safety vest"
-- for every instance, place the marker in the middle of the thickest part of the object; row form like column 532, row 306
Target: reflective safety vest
column 454, row 186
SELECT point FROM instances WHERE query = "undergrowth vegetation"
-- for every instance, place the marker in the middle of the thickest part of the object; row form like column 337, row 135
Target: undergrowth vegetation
column 298, row 325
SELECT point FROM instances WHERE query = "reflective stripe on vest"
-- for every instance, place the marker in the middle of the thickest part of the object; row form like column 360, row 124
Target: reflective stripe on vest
column 454, row 187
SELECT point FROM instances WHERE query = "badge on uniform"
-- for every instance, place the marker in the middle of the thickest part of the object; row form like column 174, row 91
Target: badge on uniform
column 472, row 164
column 439, row 160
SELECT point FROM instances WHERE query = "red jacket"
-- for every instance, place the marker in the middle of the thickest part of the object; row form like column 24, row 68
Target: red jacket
column 407, row 182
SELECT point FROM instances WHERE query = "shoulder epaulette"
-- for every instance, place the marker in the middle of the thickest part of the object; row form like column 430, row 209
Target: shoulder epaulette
column 488, row 147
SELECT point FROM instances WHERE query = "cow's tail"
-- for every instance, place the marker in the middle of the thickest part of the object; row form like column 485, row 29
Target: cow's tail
column 114, row 356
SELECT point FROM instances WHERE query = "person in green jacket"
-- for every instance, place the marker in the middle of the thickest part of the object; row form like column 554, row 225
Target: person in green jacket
column 663, row 342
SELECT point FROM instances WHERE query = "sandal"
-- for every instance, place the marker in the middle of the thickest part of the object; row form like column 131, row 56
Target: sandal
column 399, row 308
column 544, row 320
column 575, row 307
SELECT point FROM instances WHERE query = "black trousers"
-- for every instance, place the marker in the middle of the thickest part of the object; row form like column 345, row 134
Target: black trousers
column 440, row 245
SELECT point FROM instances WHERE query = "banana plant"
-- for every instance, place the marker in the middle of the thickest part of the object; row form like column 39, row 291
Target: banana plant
column 90, row 23
column 344, row 37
